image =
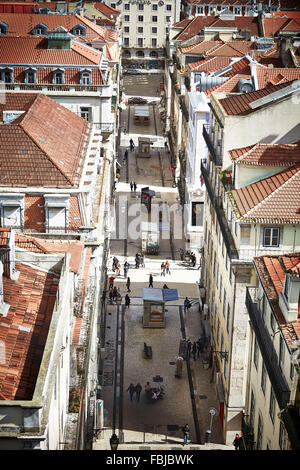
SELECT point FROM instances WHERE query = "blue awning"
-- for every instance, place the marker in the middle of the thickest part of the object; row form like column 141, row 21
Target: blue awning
column 170, row 294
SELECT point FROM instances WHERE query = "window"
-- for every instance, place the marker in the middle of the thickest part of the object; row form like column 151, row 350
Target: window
column 259, row 434
column 154, row 30
column 3, row 28
column 127, row 6
column 169, row 7
column 281, row 352
column 79, row 30
column 197, row 213
column 199, row 10
column 140, row 18
column 228, row 318
column 113, row 5
column 86, row 113
column 30, row 76
column 140, row 7
column 271, row 236
column 272, row 405
column 7, row 75
column 154, row 42
column 12, row 210
column 140, row 42
column 126, row 18
column 126, row 41
column 287, row 287
column 126, row 29
column 154, row 7
column 140, row 30
column 86, row 77
column 237, row 10
column 154, row 19
column 252, row 409
column 263, row 377
column 58, row 77
column 57, row 212
column 255, row 353
column 40, row 30
column 168, row 19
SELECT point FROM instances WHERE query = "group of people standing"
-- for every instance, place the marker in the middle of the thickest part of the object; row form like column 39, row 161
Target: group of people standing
column 188, row 256
column 133, row 186
column 165, row 268
column 139, row 260
column 195, row 348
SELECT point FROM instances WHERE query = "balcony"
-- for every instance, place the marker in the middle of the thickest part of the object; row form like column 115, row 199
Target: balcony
column 54, row 88
column 211, row 147
column 223, row 224
column 106, row 128
column 268, row 352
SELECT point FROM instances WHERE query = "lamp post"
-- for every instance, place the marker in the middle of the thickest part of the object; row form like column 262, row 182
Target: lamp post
column 114, row 442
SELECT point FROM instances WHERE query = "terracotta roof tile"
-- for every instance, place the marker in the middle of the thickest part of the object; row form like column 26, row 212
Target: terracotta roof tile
column 274, row 198
column 267, row 154
column 43, row 147
column 31, row 299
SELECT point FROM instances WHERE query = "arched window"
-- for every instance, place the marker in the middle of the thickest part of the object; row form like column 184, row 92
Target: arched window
column 3, row 28
column 59, row 76
column 153, row 54
column 85, row 77
column 30, row 75
column 40, row 29
column 140, row 54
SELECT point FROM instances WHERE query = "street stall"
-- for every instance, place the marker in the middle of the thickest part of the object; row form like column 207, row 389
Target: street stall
column 144, row 147
column 154, row 306
column 150, row 238
column 141, row 114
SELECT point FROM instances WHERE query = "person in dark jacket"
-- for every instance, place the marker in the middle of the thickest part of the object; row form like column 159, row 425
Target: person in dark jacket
column 237, row 442
column 128, row 284
column 151, row 281
column 127, row 300
column 186, row 433
column 138, row 389
column 131, row 390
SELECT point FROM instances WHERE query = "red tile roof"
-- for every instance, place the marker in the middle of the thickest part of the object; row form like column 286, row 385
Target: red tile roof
column 274, row 76
column 106, row 9
column 22, row 25
column 209, row 65
column 276, row 198
column 33, row 51
column 273, row 25
column 235, row 105
column 43, row 147
column 267, row 154
column 31, row 299
column 272, row 270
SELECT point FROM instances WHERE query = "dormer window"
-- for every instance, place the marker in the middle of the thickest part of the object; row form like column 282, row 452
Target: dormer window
column 3, row 28
column 86, row 77
column 7, row 75
column 79, row 30
column 40, row 30
column 59, row 77
column 30, row 75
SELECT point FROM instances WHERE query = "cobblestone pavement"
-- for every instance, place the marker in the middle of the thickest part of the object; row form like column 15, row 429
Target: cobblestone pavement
column 144, row 425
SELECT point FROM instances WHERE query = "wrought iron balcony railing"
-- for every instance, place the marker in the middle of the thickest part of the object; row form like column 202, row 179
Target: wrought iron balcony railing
column 268, row 352
column 217, row 158
column 223, row 224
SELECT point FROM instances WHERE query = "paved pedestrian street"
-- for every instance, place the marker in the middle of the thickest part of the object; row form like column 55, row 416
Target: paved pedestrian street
column 187, row 399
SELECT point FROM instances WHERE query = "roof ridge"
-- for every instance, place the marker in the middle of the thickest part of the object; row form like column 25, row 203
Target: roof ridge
column 248, row 214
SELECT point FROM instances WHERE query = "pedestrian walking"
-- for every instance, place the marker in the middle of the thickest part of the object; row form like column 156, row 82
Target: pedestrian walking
column 131, row 186
column 131, row 144
column 162, row 269
column 151, row 281
column 167, row 264
column 134, row 186
column 186, row 434
column 189, row 346
column 111, row 282
column 131, row 390
column 111, row 297
column 181, row 254
column 115, row 293
column 127, row 300
column 194, row 350
column 142, row 260
column 237, row 442
column 138, row 389
column 126, row 154
column 187, row 304
column 137, row 261
column 118, row 268
column 128, row 284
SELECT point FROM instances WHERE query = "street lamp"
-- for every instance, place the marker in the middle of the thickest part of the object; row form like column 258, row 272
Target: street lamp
column 114, row 442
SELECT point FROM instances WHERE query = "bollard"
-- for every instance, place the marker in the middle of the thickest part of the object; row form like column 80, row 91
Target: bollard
column 207, row 435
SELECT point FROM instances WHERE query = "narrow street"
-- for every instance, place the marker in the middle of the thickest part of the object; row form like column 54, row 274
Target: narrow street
column 143, row 425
